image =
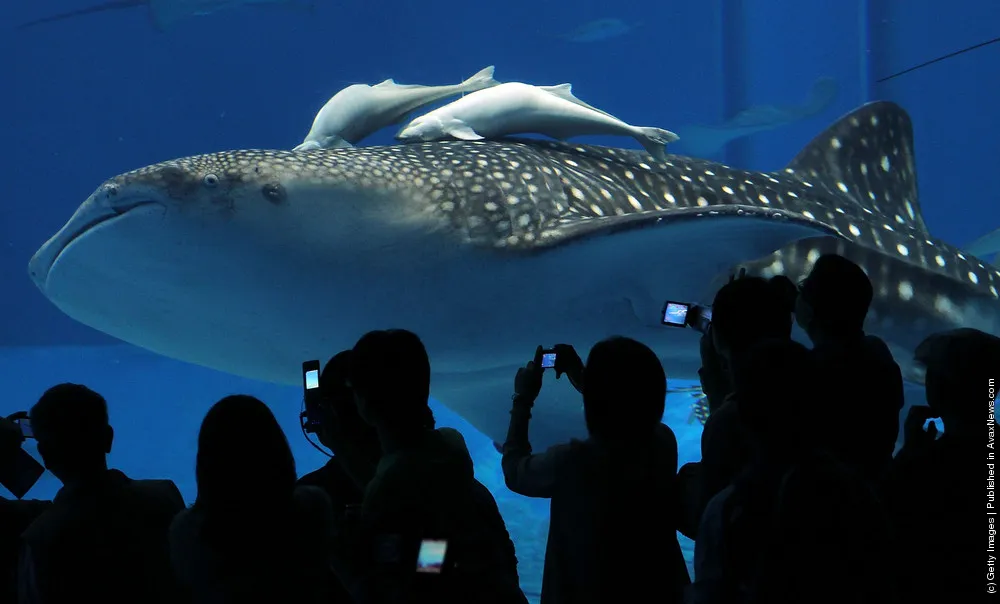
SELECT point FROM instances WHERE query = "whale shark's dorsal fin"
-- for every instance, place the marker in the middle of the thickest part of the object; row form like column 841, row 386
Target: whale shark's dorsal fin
column 863, row 160
column 386, row 83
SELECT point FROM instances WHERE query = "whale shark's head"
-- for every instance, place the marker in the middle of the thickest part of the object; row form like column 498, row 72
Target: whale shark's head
column 238, row 228
column 135, row 211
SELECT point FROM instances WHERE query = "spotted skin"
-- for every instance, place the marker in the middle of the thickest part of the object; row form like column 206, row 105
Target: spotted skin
column 519, row 195
column 921, row 284
column 250, row 261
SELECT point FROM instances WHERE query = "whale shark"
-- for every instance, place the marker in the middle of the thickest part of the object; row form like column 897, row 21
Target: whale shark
column 252, row 261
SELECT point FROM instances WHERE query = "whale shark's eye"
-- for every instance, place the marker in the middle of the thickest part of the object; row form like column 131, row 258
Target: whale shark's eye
column 210, row 180
column 111, row 190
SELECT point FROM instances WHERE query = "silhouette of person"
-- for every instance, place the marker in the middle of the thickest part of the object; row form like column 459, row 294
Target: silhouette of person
column 614, row 511
column 354, row 443
column 860, row 377
column 423, row 490
column 795, row 525
column 104, row 538
column 15, row 515
column 933, row 486
column 355, row 446
column 251, row 535
column 745, row 312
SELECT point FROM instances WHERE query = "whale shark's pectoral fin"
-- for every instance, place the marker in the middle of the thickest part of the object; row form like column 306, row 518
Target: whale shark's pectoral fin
column 556, row 418
column 461, row 131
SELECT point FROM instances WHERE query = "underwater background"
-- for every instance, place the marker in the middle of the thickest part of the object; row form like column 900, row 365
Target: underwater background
column 96, row 95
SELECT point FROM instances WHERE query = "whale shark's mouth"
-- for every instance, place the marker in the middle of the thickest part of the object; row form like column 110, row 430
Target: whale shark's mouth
column 47, row 257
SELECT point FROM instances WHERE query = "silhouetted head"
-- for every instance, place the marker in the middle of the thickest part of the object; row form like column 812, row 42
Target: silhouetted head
column 244, row 460
column 747, row 311
column 834, row 299
column 391, row 377
column 624, row 390
column 960, row 365
column 70, row 422
column 777, row 386
column 339, row 420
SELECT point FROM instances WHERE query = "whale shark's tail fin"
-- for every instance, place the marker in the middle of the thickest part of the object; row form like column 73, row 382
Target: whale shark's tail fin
column 100, row 8
column 867, row 157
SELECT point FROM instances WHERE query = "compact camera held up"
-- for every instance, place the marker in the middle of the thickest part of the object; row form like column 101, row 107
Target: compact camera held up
column 19, row 471
column 683, row 314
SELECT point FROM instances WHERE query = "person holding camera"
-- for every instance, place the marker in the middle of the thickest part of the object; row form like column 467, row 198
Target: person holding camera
column 932, row 488
column 427, row 531
column 16, row 515
column 614, row 501
column 104, row 537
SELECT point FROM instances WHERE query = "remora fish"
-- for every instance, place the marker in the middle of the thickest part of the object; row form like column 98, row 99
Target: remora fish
column 517, row 108
column 360, row 110
column 251, row 261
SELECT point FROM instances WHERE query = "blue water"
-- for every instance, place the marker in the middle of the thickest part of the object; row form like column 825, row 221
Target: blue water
column 92, row 97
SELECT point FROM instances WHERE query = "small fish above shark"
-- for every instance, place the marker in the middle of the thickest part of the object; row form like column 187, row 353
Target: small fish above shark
column 518, row 108
column 360, row 110
column 600, row 30
column 707, row 140
column 164, row 14
column 250, row 261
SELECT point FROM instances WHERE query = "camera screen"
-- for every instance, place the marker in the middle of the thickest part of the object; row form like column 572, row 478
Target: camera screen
column 548, row 360
column 430, row 558
column 312, row 379
column 25, row 425
column 675, row 314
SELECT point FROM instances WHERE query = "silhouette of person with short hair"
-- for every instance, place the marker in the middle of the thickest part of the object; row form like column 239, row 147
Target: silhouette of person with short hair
column 354, row 444
column 796, row 525
column 353, row 441
column 932, row 488
column 859, row 376
column 745, row 312
column 251, row 535
column 104, row 538
column 423, row 489
column 614, row 513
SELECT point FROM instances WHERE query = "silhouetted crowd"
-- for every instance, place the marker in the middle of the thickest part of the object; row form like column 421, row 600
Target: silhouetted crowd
column 798, row 497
